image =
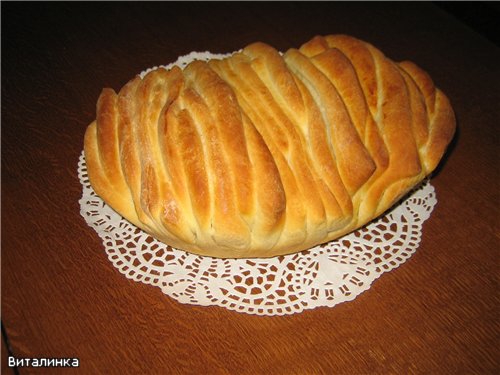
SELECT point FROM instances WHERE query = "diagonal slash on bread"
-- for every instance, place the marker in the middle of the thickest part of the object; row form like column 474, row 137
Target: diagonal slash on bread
column 263, row 154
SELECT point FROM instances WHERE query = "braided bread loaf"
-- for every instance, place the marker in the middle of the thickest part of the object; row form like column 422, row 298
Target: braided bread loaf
column 262, row 154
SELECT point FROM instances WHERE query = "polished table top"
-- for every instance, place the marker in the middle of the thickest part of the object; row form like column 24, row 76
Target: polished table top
column 61, row 297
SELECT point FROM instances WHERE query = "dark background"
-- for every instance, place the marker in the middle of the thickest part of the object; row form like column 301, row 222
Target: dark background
column 482, row 17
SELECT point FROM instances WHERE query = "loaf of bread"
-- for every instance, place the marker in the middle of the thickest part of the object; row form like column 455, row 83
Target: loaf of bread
column 263, row 154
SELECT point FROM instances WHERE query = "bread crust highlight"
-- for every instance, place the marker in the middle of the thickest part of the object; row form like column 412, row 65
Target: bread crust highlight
column 263, row 154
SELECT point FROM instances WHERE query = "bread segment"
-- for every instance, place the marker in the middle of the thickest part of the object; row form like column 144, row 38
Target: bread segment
column 261, row 153
column 342, row 135
column 280, row 137
column 441, row 118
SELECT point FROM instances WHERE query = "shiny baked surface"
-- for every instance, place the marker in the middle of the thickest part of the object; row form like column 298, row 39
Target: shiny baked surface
column 262, row 154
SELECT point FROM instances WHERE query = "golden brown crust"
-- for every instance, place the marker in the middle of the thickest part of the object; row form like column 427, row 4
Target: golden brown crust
column 263, row 154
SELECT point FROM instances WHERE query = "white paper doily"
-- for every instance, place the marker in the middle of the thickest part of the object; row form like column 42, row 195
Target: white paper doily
column 323, row 276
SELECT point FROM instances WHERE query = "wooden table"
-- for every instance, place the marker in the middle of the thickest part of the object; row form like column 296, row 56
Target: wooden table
column 61, row 297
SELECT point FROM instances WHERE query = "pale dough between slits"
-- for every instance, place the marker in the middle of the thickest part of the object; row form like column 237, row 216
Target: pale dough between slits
column 262, row 154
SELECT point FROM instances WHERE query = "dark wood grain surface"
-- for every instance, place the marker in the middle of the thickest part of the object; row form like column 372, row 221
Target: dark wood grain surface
column 61, row 297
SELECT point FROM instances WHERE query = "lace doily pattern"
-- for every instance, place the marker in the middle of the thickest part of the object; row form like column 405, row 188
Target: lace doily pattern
column 325, row 275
